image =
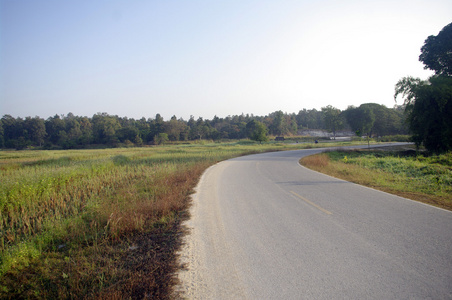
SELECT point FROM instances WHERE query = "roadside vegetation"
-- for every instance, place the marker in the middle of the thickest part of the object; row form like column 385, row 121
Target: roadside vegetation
column 403, row 172
column 101, row 223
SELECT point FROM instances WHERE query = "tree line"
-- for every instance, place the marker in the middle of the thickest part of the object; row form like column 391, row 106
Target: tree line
column 70, row 131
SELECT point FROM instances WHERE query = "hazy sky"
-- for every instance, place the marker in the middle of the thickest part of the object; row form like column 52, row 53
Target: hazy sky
column 205, row 58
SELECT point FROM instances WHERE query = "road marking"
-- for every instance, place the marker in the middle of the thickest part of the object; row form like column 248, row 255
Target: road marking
column 312, row 203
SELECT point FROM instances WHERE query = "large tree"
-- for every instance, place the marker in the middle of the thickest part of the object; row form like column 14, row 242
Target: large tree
column 428, row 107
column 360, row 119
column 310, row 119
column 36, row 130
column 54, row 127
column 279, row 125
column 105, row 127
column 436, row 54
column 375, row 119
column 333, row 119
column 428, row 103
column 257, row 131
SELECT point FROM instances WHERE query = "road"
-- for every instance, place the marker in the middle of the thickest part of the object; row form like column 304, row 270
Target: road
column 264, row 227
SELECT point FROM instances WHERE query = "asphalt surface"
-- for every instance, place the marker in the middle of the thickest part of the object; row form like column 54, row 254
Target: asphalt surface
column 264, row 227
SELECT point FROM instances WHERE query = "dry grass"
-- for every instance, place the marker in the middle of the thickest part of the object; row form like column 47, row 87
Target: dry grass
column 316, row 162
column 99, row 223
column 102, row 224
column 123, row 247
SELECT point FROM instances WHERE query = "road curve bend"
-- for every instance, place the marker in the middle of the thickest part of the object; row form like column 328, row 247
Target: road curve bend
column 264, row 227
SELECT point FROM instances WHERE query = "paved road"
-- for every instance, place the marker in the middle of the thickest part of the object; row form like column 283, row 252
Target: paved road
column 264, row 227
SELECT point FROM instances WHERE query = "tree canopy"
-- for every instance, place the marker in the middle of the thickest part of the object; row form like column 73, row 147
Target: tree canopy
column 333, row 119
column 257, row 131
column 361, row 119
column 436, row 54
column 428, row 107
column 428, row 103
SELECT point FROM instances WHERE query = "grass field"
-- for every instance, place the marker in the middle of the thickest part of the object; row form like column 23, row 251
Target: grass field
column 100, row 223
column 423, row 178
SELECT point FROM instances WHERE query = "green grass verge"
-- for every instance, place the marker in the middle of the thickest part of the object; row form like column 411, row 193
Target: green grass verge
column 406, row 173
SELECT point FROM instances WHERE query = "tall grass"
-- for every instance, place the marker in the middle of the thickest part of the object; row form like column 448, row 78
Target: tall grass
column 418, row 177
column 99, row 223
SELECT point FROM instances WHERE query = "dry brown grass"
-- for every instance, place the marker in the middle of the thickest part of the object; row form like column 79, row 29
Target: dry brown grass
column 137, row 259
column 102, row 224
column 316, row 162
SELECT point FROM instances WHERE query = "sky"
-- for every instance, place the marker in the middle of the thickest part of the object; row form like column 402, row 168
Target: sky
column 200, row 58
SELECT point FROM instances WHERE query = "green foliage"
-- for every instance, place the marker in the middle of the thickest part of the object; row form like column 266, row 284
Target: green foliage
column 103, row 130
column 257, row 131
column 436, row 54
column 428, row 107
column 428, row 103
column 310, row 119
column 395, row 138
column 279, row 124
column 161, row 138
column 333, row 119
column 360, row 119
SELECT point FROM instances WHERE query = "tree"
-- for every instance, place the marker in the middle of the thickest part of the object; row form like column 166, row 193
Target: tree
column 105, row 127
column 175, row 129
column 161, row 138
column 293, row 127
column 428, row 103
column 12, row 130
column 159, row 124
column 279, row 125
column 1, row 134
column 74, row 133
column 381, row 120
column 387, row 121
column 333, row 119
column 36, row 130
column 54, row 125
column 428, row 108
column 361, row 120
column 436, row 54
column 128, row 133
column 310, row 119
column 257, row 131
column 199, row 129
column 86, row 129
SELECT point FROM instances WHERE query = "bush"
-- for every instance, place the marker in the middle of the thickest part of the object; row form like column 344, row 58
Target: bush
column 395, row 138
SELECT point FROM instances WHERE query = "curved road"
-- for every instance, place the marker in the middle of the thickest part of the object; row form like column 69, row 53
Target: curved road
column 264, row 227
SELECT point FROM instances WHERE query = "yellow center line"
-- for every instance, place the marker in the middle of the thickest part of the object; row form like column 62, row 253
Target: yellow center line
column 312, row 203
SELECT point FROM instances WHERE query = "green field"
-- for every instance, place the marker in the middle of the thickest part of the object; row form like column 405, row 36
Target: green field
column 100, row 223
